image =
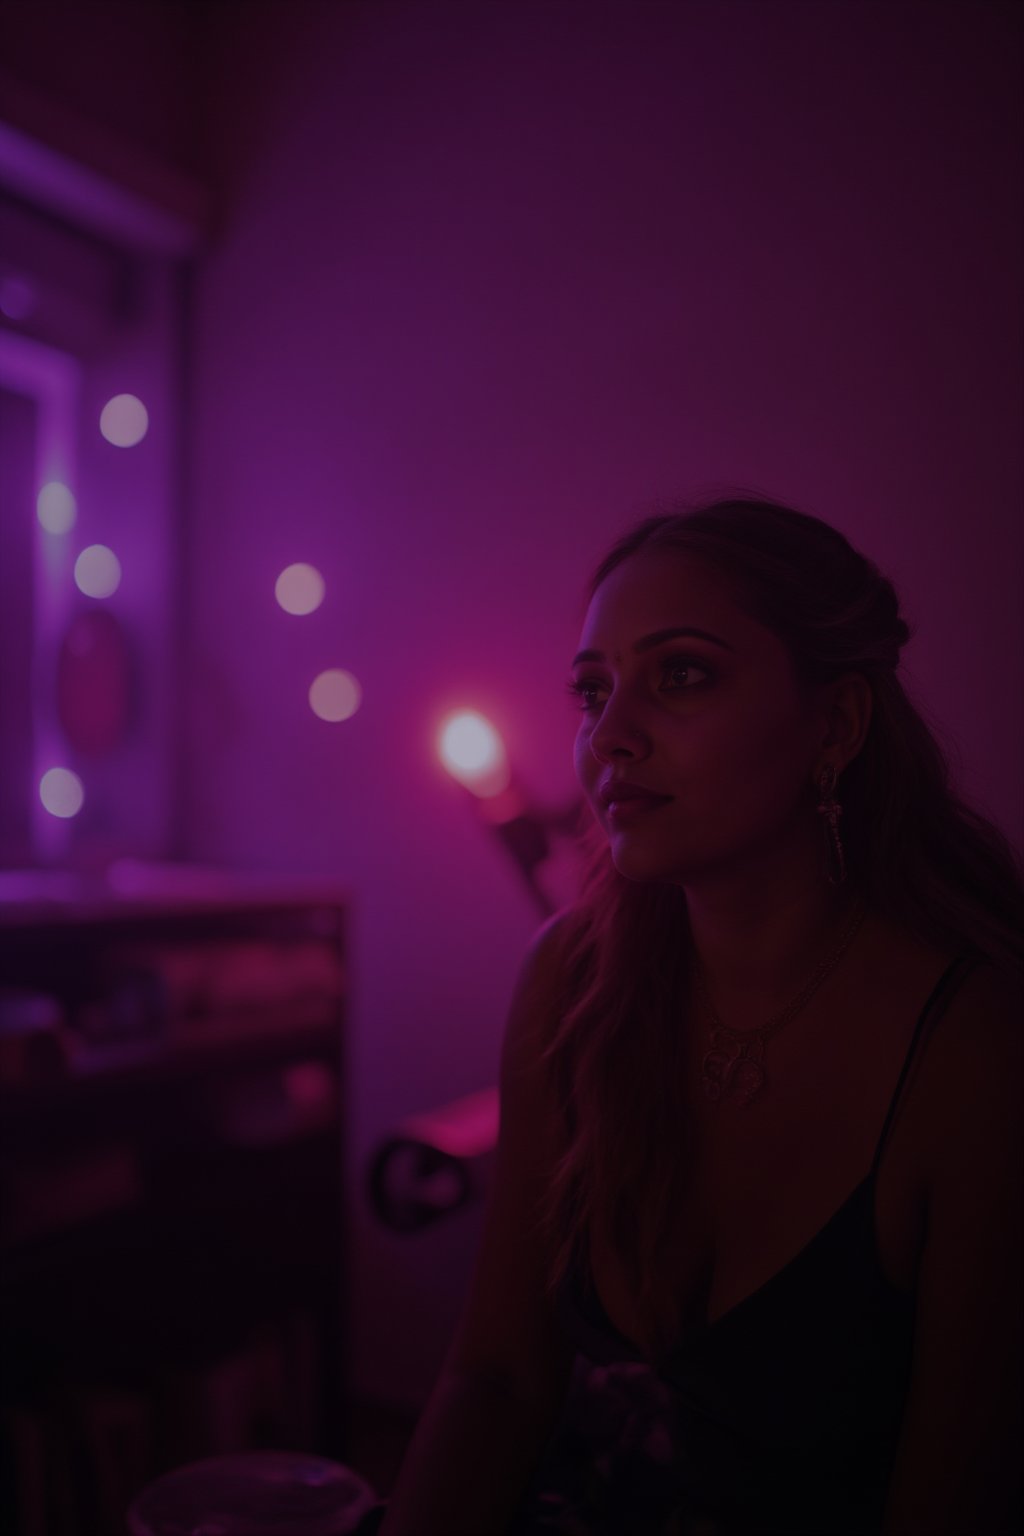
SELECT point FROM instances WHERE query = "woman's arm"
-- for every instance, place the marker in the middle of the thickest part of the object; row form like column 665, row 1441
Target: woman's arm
column 958, row 1464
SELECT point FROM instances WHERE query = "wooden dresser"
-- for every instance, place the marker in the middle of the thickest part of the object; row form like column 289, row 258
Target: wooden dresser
column 172, row 1214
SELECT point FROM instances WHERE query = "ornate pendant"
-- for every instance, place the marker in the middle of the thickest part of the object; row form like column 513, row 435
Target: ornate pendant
column 715, row 1074
column 733, row 1070
column 747, row 1080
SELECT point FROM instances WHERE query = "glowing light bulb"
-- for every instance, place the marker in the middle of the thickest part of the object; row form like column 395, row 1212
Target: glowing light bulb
column 61, row 792
column 473, row 752
column 124, row 421
column 97, row 571
column 334, row 695
column 56, row 508
column 299, row 589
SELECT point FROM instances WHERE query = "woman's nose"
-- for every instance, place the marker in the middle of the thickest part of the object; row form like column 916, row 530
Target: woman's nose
column 618, row 730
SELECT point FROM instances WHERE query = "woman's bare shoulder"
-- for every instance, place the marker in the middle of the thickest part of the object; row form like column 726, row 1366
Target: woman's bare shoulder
column 984, row 1007
column 974, row 1079
column 986, row 1011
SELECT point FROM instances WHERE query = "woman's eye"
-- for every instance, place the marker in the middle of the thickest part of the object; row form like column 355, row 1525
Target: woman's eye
column 581, row 689
column 585, row 686
column 681, row 664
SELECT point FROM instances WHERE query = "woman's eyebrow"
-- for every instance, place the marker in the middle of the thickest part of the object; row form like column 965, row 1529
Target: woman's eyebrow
column 657, row 638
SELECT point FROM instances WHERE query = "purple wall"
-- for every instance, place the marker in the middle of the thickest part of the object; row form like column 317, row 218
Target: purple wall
column 493, row 279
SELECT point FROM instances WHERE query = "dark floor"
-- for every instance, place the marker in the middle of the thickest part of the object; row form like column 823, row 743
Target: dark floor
column 378, row 1441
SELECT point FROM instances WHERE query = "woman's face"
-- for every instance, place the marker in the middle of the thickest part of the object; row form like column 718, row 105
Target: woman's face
column 714, row 723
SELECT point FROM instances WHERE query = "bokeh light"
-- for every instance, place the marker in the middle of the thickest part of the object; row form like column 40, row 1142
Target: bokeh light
column 61, row 792
column 97, row 571
column 474, row 753
column 299, row 589
column 334, row 695
column 56, row 508
column 124, row 421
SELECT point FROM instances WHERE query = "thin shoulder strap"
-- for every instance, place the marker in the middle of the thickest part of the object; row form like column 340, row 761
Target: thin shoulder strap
column 942, row 992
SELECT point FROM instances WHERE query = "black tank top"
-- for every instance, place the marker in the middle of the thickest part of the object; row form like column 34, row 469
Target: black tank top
column 781, row 1416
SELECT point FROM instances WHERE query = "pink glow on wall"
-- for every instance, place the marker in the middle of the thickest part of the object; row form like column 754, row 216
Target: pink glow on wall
column 124, row 421
column 299, row 589
column 335, row 695
column 97, row 571
column 61, row 792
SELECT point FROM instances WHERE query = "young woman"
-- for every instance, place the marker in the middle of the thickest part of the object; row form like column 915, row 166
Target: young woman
column 752, row 1258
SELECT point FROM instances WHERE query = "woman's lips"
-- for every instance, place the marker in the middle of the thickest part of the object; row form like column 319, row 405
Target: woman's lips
column 623, row 811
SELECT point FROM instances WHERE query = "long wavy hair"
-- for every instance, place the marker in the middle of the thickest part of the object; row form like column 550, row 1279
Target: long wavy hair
column 913, row 847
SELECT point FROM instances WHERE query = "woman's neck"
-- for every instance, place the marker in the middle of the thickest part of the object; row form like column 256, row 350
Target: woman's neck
column 758, row 960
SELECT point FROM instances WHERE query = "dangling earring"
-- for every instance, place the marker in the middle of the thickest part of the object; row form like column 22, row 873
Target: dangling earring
column 829, row 807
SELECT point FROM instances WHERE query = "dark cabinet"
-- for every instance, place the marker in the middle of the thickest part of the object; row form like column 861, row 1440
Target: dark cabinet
column 172, row 1216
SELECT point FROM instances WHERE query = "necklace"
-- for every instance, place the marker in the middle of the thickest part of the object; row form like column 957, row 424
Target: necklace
column 733, row 1067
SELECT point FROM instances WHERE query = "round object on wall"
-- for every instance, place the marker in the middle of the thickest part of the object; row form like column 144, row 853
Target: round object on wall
column 94, row 682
